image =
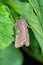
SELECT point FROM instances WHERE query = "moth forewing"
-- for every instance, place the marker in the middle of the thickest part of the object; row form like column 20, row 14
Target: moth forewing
column 22, row 36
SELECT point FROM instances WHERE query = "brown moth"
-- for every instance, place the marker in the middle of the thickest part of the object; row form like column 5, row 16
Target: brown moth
column 22, row 36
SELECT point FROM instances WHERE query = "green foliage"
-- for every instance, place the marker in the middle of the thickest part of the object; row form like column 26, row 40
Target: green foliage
column 6, row 27
column 10, row 56
column 32, row 11
column 26, row 11
column 41, row 10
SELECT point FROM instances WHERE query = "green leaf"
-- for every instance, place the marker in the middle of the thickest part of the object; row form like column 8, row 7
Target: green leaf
column 26, row 11
column 14, row 14
column 41, row 9
column 34, row 45
column 6, row 27
column 35, row 5
column 10, row 56
column 40, row 2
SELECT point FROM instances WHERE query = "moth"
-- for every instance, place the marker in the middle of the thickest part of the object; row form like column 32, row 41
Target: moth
column 22, row 36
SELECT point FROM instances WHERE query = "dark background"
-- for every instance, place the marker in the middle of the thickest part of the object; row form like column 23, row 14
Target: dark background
column 28, row 60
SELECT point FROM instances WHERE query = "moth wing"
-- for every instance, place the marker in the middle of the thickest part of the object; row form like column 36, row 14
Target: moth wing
column 19, row 39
